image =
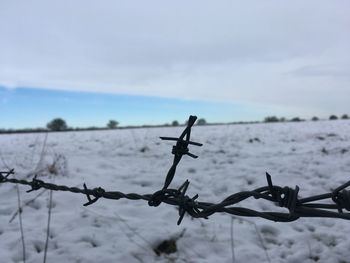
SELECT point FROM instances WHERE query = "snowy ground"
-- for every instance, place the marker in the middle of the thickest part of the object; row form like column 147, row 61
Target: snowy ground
column 314, row 155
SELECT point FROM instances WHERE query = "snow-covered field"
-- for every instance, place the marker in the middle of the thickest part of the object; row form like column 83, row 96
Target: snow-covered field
column 313, row 155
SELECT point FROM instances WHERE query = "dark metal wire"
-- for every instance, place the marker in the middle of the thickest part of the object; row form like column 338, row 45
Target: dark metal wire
column 285, row 197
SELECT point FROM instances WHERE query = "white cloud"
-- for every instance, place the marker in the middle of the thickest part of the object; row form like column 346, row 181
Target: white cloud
column 291, row 54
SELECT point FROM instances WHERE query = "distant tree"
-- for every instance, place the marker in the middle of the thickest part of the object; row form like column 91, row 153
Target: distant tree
column 282, row 119
column 271, row 119
column 296, row 119
column 57, row 124
column 201, row 122
column 112, row 124
column 315, row 118
column 333, row 117
column 345, row 117
column 175, row 123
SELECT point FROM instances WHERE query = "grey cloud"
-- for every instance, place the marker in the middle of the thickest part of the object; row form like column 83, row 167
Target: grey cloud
column 322, row 71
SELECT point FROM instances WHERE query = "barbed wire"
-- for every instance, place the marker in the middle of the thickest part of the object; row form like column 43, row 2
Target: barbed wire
column 284, row 197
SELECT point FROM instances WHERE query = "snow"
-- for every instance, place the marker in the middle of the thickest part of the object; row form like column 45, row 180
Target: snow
column 313, row 155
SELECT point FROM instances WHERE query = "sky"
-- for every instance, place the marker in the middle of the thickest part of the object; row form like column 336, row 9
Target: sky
column 230, row 60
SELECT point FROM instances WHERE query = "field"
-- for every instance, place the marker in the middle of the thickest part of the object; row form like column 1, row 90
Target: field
column 313, row 155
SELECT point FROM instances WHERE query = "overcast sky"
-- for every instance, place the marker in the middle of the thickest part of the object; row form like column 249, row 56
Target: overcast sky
column 292, row 55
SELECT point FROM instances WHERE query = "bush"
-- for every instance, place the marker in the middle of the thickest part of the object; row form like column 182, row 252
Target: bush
column 175, row 123
column 201, row 122
column 271, row 119
column 57, row 124
column 112, row 124
column 345, row 117
column 315, row 118
column 333, row 117
column 296, row 119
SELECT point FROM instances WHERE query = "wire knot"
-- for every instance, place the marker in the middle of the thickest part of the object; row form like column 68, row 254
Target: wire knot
column 35, row 184
column 181, row 148
column 96, row 192
column 289, row 199
column 342, row 199
column 157, row 198
column 284, row 197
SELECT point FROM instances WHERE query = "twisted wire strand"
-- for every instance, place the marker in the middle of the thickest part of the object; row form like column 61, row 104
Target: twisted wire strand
column 285, row 197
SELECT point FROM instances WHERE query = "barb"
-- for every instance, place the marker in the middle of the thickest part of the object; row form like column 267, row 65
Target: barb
column 284, row 197
column 97, row 193
column 180, row 149
column 36, row 184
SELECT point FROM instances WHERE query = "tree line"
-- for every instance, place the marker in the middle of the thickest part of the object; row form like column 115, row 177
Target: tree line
column 297, row 119
column 59, row 124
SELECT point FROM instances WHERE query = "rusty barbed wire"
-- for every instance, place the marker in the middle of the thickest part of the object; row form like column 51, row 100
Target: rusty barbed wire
column 284, row 197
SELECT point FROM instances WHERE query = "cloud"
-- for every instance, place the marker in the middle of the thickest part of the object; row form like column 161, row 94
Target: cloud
column 321, row 71
column 291, row 54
